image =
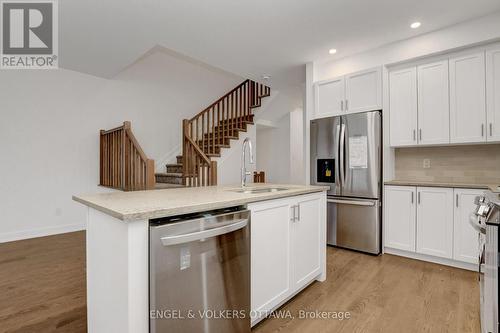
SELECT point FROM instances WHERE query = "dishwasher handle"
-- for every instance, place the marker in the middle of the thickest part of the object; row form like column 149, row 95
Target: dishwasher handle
column 194, row 236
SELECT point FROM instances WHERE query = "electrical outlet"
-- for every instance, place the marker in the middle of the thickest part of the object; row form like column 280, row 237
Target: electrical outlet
column 427, row 163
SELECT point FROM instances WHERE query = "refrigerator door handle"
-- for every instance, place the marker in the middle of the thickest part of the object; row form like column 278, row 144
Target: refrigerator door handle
column 337, row 158
column 342, row 151
column 352, row 202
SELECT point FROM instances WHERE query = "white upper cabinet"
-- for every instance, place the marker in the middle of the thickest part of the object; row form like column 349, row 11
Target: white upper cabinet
column 329, row 98
column 400, row 217
column 356, row 92
column 465, row 246
column 467, row 99
column 435, row 221
column 403, row 107
column 433, row 103
column 363, row 91
column 493, row 93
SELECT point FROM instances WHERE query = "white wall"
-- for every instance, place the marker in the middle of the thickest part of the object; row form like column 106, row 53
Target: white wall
column 49, row 128
column 273, row 155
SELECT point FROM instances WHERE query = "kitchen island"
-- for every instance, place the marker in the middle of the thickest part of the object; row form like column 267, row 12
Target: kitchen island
column 288, row 246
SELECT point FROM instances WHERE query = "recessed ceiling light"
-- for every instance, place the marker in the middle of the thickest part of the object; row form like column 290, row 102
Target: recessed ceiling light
column 415, row 25
column 266, row 77
column 332, row 51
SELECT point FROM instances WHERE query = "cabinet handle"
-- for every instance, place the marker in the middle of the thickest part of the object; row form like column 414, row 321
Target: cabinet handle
column 412, row 198
column 482, row 129
column 298, row 212
column 418, row 198
column 346, row 104
column 420, row 134
column 491, row 129
column 293, row 214
column 456, row 198
column 414, row 135
column 342, row 105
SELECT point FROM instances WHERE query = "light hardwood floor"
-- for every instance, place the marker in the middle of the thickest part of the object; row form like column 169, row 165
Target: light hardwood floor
column 42, row 289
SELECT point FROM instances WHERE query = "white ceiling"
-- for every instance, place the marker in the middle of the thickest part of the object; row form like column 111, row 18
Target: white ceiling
column 249, row 38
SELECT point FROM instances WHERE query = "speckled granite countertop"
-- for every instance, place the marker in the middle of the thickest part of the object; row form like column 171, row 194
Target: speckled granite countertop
column 142, row 205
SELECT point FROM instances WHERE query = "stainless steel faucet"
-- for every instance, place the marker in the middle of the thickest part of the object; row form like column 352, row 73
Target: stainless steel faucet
column 244, row 172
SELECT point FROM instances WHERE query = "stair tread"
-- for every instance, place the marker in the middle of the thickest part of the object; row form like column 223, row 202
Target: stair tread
column 169, row 174
column 161, row 186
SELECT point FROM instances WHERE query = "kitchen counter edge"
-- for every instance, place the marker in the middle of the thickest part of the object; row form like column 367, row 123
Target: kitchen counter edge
column 158, row 212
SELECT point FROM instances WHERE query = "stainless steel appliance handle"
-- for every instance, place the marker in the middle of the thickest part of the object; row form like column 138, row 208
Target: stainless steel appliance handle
column 342, row 152
column 337, row 158
column 473, row 220
column 194, row 236
column 352, row 202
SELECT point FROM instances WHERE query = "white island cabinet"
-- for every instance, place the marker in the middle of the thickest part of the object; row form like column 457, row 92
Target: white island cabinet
column 288, row 249
column 287, row 236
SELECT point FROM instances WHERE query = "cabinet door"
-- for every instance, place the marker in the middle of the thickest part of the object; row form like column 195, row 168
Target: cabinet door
column 364, row 91
column 435, row 221
column 329, row 97
column 403, row 107
column 306, row 241
column 493, row 93
column 465, row 240
column 433, row 103
column 400, row 217
column 270, row 254
column 467, row 99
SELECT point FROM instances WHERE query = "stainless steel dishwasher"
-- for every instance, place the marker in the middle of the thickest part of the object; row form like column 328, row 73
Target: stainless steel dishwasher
column 200, row 272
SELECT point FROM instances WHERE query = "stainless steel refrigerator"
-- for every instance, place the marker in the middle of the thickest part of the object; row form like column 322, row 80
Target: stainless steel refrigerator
column 346, row 154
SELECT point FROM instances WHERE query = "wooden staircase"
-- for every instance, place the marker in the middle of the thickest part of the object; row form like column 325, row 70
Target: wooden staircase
column 206, row 134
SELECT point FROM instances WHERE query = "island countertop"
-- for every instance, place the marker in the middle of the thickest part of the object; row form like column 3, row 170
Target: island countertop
column 144, row 205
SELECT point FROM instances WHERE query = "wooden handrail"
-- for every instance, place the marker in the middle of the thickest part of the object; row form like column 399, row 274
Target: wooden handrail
column 123, row 163
column 208, row 131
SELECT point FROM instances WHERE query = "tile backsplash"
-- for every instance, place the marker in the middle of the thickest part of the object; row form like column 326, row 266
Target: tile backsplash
column 477, row 164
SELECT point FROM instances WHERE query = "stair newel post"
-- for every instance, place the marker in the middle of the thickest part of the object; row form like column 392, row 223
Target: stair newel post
column 212, row 111
column 185, row 164
column 240, row 107
column 150, row 174
column 101, row 157
column 219, row 139
column 126, row 126
column 213, row 173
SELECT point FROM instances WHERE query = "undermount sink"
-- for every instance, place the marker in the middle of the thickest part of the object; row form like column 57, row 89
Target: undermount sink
column 258, row 190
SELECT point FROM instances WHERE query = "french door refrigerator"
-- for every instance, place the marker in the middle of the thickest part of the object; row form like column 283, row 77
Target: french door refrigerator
column 346, row 154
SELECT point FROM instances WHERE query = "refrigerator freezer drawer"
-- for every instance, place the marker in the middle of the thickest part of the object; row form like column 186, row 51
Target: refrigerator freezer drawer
column 354, row 224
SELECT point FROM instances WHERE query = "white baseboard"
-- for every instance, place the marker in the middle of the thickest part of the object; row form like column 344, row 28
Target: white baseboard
column 41, row 232
column 436, row 260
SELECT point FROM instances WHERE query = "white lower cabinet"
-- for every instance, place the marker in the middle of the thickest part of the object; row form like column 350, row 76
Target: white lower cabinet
column 435, row 221
column 288, row 249
column 465, row 242
column 400, row 217
column 431, row 222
